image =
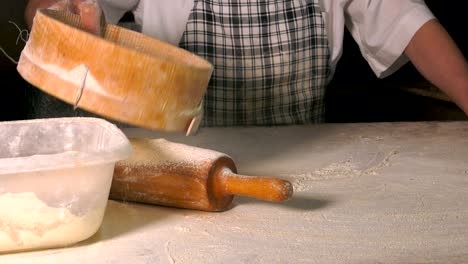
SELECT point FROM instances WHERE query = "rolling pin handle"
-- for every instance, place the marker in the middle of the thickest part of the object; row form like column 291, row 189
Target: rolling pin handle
column 268, row 189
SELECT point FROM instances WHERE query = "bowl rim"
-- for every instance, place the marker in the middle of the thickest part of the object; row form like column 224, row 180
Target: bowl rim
column 119, row 151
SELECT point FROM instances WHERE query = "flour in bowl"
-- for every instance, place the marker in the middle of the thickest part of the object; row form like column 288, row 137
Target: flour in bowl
column 26, row 222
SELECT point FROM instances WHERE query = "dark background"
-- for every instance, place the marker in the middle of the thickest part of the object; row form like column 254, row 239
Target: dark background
column 13, row 104
column 355, row 94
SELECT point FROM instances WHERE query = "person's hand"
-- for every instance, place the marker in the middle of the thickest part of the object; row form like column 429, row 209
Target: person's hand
column 88, row 10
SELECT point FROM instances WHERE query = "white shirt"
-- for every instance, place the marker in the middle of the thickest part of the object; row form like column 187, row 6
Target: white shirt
column 381, row 28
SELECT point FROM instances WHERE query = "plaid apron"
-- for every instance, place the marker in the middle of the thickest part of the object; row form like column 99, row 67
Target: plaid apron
column 271, row 60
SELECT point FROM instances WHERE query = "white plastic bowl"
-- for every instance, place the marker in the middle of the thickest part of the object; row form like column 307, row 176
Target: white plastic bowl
column 55, row 177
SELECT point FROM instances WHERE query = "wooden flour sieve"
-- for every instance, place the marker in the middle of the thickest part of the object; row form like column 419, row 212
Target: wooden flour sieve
column 125, row 76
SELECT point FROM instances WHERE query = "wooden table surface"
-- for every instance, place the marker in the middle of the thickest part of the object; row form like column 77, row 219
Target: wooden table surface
column 364, row 193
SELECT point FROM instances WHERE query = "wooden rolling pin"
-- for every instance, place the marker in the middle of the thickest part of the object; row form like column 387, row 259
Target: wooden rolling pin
column 177, row 175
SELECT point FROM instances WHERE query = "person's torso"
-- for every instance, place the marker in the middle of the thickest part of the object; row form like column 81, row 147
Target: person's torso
column 271, row 60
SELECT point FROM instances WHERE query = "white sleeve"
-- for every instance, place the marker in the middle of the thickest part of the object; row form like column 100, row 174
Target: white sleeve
column 165, row 20
column 383, row 29
column 115, row 9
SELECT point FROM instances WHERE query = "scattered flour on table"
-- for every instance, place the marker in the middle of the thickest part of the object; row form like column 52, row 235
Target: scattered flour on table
column 26, row 222
column 340, row 170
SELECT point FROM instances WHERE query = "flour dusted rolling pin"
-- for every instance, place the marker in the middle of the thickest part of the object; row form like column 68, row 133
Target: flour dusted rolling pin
column 177, row 175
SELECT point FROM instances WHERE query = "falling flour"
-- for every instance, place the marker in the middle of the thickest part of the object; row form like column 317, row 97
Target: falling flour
column 26, row 222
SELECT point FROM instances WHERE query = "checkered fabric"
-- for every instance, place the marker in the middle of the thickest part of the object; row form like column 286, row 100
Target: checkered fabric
column 271, row 60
